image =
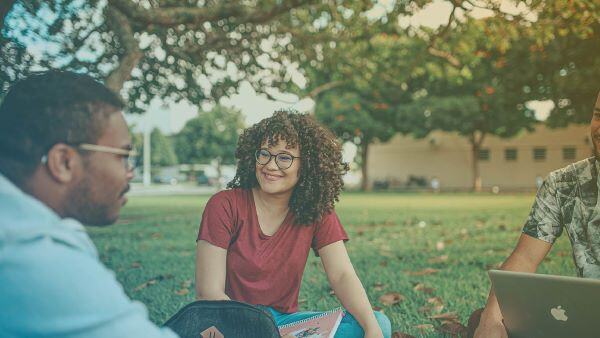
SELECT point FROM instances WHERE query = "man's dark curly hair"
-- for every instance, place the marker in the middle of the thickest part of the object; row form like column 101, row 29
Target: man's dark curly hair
column 321, row 167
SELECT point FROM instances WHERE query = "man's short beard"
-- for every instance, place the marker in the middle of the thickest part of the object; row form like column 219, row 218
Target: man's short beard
column 83, row 207
column 595, row 149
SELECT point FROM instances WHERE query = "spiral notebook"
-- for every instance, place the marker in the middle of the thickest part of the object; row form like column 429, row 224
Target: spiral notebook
column 323, row 325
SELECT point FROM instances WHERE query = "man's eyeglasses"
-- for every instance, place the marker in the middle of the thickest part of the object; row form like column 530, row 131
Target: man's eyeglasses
column 129, row 156
column 282, row 160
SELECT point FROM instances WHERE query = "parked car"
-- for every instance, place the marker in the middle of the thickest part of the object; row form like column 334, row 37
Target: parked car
column 165, row 179
column 202, row 179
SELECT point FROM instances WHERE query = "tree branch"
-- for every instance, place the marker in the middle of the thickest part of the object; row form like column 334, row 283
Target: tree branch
column 323, row 88
column 174, row 16
column 5, row 7
column 129, row 59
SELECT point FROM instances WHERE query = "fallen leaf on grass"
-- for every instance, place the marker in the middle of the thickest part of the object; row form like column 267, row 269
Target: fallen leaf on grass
column 425, row 309
column 156, row 235
column 440, row 245
column 151, row 281
column 427, row 271
column 421, row 287
column 424, row 327
column 440, row 259
column 437, row 303
column 147, row 284
column 455, row 329
column 448, row 316
column 490, row 266
column 391, row 298
column 182, row 292
column 401, row 335
column 378, row 286
column 136, row 265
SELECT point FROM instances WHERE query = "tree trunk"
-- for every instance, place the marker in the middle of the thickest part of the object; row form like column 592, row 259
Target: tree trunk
column 5, row 7
column 476, row 139
column 364, row 155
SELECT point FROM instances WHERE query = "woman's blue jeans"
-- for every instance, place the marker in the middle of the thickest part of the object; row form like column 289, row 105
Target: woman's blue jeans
column 349, row 327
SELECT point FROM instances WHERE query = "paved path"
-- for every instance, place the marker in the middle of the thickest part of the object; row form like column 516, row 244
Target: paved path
column 138, row 189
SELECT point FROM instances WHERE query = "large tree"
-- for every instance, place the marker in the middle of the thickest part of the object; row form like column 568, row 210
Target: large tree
column 183, row 49
column 471, row 76
column 349, row 116
column 212, row 136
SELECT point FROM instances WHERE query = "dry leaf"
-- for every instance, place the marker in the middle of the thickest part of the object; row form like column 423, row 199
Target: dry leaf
column 145, row 285
column 421, row 287
column 440, row 245
column 378, row 286
column 427, row 271
column 455, row 329
column 156, row 235
column 136, row 265
column 440, row 259
column 391, row 298
column 448, row 316
column 425, row 309
column 182, row 292
column 152, row 281
column 401, row 335
column 424, row 327
column 437, row 303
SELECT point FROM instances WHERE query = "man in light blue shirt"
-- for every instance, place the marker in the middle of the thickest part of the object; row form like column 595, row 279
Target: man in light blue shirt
column 65, row 154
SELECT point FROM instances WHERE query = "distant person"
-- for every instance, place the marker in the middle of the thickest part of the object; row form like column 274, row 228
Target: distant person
column 435, row 184
column 65, row 159
column 567, row 200
column 255, row 238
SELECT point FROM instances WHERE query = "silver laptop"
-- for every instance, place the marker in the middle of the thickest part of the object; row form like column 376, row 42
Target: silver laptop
column 547, row 306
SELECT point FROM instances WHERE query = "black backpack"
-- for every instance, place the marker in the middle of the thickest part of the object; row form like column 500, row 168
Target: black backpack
column 228, row 318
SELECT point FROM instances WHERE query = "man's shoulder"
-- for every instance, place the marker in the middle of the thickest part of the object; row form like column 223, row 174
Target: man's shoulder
column 574, row 172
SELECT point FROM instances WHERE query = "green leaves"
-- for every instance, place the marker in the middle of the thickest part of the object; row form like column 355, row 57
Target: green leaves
column 211, row 135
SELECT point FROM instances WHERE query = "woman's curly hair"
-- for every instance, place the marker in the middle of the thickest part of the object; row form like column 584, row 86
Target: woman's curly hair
column 321, row 166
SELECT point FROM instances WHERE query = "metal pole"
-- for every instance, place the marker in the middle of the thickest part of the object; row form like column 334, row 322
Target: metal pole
column 147, row 157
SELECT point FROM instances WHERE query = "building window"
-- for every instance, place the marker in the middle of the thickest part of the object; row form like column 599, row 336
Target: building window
column 484, row 154
column 539, row 154
column 569, row 153
column 510, row 154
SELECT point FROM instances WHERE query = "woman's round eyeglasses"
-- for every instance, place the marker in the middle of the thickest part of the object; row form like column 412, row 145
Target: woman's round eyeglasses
column 282, row 160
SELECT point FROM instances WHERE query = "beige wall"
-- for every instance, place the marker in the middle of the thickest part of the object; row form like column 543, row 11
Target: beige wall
column 448, row 157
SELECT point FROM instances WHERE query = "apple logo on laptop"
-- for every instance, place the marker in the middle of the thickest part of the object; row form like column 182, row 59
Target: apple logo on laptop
column 559, row 313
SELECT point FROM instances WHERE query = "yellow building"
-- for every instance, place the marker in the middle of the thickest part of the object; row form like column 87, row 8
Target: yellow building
column 510, row 164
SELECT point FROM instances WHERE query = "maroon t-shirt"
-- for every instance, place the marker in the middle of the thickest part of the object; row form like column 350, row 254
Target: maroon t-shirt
column 261, row 269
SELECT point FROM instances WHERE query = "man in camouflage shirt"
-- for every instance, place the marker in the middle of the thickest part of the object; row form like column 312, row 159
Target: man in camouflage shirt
column 567, row 200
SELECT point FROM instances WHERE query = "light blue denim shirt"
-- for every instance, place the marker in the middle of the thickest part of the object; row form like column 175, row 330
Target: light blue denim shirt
column 52, row 283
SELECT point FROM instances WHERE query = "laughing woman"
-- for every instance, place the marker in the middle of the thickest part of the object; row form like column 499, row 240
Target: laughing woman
column 255, row 237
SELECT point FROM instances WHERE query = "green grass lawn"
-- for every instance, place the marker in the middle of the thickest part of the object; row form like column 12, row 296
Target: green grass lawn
column 392, row 236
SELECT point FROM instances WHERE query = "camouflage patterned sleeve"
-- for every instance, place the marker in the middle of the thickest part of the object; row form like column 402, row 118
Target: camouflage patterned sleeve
column 544, row 221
